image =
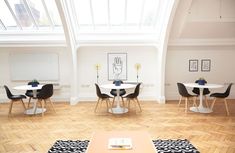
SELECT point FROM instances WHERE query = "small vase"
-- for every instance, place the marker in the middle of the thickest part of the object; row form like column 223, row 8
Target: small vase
column 34, row 84
column 117, row 82
column 201, row 82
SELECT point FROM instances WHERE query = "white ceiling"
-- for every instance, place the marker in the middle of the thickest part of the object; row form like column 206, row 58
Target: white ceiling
column 204, row 19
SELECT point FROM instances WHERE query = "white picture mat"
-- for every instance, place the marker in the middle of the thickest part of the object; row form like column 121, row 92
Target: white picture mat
column 111, row 63
column 28, row 66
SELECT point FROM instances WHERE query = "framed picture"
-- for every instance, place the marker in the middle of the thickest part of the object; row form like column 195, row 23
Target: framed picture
column 205, row 65
column 193, row 65
column 117, row 66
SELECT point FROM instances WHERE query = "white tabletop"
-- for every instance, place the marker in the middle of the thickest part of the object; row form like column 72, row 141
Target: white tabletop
column 207, row 85
column 28, row 87
column 122, row 86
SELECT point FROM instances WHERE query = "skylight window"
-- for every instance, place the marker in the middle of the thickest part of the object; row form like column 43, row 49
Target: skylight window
column 29, row 15
column 116, row 15
column 6, row 19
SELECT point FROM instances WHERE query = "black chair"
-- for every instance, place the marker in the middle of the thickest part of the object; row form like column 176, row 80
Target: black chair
column 44, row 95
column 206, row 91
column 102, row 97
column 222, row 96
column 29, row 93
column 121, row 92
column 134, row 96
column 184, row 94
column 14, row 98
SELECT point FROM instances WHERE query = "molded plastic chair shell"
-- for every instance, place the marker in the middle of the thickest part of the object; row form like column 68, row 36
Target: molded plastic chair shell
column 222, row 96
column 101, row 96
column 184, row 93
column 14, row 98
column 134, row 96
column 46, row 92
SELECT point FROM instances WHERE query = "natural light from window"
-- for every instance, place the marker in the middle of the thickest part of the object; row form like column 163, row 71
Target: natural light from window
column 116, row 15
column 29, row 15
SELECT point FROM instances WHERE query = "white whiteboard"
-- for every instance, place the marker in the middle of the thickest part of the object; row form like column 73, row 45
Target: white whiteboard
column 29, row 66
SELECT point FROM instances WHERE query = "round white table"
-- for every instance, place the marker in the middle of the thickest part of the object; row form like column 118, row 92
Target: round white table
column 201, row 108
column 118, row 109
column 33, row 110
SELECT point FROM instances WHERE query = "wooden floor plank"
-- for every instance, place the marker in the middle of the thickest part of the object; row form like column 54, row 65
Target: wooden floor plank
column 214, row 132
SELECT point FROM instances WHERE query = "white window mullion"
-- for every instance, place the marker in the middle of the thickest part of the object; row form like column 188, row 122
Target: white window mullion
column 13, row 14
column 125, row 17
column 75, row 13
column 108, row 1
column 157, row 14
column 30, row 13
column 2, row 25
column 92, row 14
column 142, row 14
column 52, row 24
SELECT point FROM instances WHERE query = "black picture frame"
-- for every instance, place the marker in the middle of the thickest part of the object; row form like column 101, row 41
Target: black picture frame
column 205, row 65
column 193, row 65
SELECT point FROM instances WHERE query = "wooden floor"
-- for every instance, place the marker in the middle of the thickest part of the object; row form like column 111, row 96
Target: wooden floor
column 210, row 133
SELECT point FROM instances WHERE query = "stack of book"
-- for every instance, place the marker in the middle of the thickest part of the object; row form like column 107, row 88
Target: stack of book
column 120, row 143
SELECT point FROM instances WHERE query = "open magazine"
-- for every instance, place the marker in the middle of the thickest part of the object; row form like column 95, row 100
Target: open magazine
column 120, row 143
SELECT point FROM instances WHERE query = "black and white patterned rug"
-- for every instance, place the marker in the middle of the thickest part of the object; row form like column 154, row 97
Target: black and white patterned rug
column 162, row 146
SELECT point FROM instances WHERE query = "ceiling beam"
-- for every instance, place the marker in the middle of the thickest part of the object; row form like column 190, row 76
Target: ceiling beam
column 184, row 8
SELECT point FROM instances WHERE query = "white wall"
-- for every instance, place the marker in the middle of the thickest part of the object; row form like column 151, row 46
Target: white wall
column 177, row 67
column 64, row 70
column 89, row 56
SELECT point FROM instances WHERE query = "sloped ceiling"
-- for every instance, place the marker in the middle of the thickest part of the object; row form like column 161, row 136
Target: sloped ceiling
column 204, row 19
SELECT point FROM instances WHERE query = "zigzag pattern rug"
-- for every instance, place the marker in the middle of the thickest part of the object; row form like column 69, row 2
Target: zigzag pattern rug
column 162, row 146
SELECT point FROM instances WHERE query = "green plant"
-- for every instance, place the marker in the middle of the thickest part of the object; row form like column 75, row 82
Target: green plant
column 34, row 80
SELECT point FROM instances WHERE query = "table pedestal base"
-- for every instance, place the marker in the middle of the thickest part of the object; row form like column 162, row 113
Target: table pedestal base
column 201, row 109
column 118, row 110
column 32, row 111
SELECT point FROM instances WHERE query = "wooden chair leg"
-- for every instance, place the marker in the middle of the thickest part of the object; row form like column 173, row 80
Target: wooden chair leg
column 207, row 105
column 110, row 105
column 10, row 108
column 186, row 105
column 23, row 104
column 226, row 106
column 97, row 104
column 128, row 101
column 42, row 105
column 195, row 103
column 123, row 104
column 179, row 101
column 107, row 104
column 29, row 102
column 52, row 105
column 138, row 104
column 113, row 101
column 212, row 105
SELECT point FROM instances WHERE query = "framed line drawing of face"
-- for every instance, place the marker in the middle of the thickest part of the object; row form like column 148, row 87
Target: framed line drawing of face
column 205, row 65
column 193, row 65
column 117, row 66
